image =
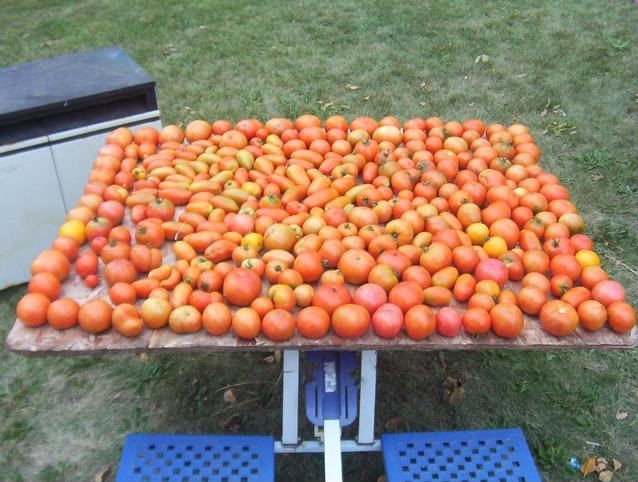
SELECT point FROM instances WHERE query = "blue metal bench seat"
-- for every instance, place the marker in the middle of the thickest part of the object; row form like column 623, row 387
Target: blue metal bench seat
column 196, row 458
column 464, row 456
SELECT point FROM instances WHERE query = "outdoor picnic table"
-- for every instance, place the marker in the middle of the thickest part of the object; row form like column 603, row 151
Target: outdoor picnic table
column 46, row 340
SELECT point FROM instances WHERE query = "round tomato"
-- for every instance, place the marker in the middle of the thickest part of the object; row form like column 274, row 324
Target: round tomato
column 246, row 323
column 313, row 322
column 507, row 320
column 217, row 319
column 355, row 265
column 558, row 318
column 51, row 261
column 241, row 286
column 47, row 284
column 491, row 269
column 419, row 322
column 330, row 297
column 278, row 325
column 448, row 321
column 63, row 313
column 608, row 292
column 32, row 309
column 406, row 294
column 592, row 315
column 309, row 265
column 126, row 320
column 370, row 296
column 95, row 316
column 350, row 321
column 387, row 320
column 155, row 312
column 622, row 317
column 476, row 321
column 185, row 319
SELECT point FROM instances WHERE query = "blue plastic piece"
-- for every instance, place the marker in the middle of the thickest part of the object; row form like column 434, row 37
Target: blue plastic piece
column 331, row 394
column 471, row 456
column 196, row 458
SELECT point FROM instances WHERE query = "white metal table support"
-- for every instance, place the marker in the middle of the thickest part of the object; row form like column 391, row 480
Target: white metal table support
column 329, row 441
column 290, row 408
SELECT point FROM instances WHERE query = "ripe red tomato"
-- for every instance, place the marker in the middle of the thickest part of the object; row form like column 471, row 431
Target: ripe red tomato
column 370, row 296
column 406, row 294
column 476, row 321
column 350, row 321
column 278, row 325
column 241, row 286
column 330, row 297
column 558, row 318
column 313, row 322
column 448, row 321
column 419, row 322
column 387, row 320
column 507, row 320
column 493, row 269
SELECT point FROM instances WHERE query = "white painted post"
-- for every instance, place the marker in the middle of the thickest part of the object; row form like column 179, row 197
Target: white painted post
column 290, row 403
column 367, row 396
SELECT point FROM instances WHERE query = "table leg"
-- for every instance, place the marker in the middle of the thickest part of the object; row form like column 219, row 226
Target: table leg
column 367, row 396
column 332, row 451
column 290, row 405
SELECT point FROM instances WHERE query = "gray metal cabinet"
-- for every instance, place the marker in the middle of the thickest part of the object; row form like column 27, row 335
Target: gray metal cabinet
column 33, row 210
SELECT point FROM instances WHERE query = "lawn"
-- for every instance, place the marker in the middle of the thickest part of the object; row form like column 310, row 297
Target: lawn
column 566, row 69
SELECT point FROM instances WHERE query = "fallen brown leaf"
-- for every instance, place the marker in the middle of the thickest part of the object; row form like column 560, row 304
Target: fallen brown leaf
column 617, row 465
column 143, row 356
column 394, row 423
column 588, row 466
column 605, row 476
column 352, row 87
column 99, row 477
column 621, row 415
column 229, row 396
column 453, row 390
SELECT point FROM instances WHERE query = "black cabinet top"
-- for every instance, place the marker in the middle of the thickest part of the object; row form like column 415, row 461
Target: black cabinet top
column 69, row 82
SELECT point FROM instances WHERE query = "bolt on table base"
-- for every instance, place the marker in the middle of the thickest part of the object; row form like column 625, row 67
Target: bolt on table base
column 331, row 403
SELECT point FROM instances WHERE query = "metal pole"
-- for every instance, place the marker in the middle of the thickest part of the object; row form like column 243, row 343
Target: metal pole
column 332, row 451
column 367, row 396
column 290, row 404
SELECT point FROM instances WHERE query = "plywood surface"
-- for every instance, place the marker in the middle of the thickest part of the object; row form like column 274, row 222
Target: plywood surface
column 46, row 340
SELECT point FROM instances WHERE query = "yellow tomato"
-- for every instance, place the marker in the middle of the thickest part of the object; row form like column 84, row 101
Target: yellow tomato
column 75, row 230
column 495, row 247
column 251, row 188
column 254, row 240
column 587, row 257
column 488, row 287
column 427, row 210
column 478, row 233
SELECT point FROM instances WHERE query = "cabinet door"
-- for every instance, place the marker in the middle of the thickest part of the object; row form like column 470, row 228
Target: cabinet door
column 74, row 158
column 32, row 211
column 73, row 161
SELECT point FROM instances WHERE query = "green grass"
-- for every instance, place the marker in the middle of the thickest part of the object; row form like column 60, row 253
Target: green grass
column 566, row 69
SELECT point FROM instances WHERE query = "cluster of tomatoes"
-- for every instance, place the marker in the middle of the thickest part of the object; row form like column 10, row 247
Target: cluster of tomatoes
column 351, row 225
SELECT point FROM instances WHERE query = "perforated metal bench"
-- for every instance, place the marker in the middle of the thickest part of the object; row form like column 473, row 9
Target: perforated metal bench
column 196, row 458
column 470, row 456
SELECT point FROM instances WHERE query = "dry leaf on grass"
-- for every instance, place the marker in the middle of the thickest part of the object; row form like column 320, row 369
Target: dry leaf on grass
column 621, row 415
column 99, row 477
column 617, row 464
column 605, row 476
column 352, row 87
column 229, row 396
column 453, row 390
column 588, row 466
column 394, row 423
column 482, row 58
